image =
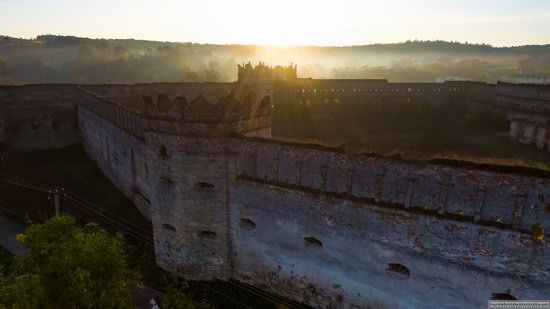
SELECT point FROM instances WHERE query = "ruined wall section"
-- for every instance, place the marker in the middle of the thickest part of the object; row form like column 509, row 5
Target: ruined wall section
column 37, row 117
column 529, row 112
column 335, row 228
column 131, row 95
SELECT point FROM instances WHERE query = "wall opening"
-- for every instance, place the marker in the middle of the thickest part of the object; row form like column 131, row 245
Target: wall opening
column 399, row 270
column 169, row 227
column 163, row 152
column 166, row 179
column 312, row 242
column 207, row 234
column 247, row 224
column 503, row 296
column 204, row 185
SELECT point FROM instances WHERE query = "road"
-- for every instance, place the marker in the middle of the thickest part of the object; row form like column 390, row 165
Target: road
column 8, row 232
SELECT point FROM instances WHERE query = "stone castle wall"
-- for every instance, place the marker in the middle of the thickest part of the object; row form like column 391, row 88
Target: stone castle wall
column 340, row 220
column 529, row 112
column 335, row 229
column 38, row 116
column 320, row 90
column 113, row 139
column 315, row 224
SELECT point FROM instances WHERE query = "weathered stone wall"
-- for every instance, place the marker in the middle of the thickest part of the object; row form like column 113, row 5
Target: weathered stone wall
column 38, row 116
column 318, row 225
column 528, row 98
column 319, row 90
column 330, row 252
column 335, row 229
column 190, row 190
column 445, row 224
column 112, row 138
column 529, row 112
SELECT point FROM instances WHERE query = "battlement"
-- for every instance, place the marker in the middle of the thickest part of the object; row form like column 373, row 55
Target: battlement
column 197, row 117
column 260, row 70
column 319, row 225
column 286, row 73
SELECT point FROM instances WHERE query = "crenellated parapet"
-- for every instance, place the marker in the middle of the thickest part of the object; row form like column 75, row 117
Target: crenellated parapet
column 248, row 70
column 198, row 117
column 319, row 225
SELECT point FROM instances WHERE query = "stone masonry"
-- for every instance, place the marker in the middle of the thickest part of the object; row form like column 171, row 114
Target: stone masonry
column 318, row 225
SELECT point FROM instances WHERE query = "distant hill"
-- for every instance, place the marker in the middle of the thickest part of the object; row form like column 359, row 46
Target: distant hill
column 53, row 58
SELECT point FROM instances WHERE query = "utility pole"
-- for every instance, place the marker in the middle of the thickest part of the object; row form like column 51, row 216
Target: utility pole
column 56, row 201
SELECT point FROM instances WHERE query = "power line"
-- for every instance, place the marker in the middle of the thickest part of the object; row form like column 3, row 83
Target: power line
column 94, row 211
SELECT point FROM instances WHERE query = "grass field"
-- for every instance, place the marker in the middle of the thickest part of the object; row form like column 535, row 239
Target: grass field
column 418, row 130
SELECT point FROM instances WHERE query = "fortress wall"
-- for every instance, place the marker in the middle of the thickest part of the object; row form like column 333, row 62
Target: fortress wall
column 38, row 117
column 489, row 197
column 362, row 91
column 117, row 149
column 529, row 98
column 378, row 87
column 482, row 93
column 528, row 112
column 324, row 226
column 191, row 179
column 125, row 94
column 330, row 251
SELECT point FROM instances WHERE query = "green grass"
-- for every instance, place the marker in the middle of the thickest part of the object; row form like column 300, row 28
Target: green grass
column 416, row 130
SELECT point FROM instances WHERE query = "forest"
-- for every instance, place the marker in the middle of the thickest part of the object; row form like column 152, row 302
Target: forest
column 66, row 59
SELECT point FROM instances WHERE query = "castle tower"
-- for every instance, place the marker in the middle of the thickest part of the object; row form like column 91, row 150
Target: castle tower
column 255, row 86
column 284, row 87
column 193, row 171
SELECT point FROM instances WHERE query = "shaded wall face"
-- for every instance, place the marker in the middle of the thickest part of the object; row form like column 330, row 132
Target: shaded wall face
column 120, row 155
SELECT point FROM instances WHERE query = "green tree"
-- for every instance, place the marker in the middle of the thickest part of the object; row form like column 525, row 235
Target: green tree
column 69, row 267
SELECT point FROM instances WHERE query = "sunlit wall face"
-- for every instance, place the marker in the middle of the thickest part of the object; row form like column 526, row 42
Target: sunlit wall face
column 284, row 22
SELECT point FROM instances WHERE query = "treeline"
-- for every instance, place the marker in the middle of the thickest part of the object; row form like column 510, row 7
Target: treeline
column 52, row 58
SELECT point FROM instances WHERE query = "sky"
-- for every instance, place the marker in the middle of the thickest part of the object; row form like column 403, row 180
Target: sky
column 284, row 22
